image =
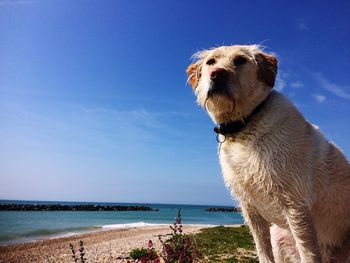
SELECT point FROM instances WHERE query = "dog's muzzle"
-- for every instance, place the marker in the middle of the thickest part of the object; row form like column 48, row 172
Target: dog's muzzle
column 219, row 75
column 219, row 78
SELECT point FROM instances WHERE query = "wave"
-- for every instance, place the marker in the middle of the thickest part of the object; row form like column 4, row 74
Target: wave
column 40, row 234
column 130, row 225
column 143, row 224
column 43, row 233
column 47, row 232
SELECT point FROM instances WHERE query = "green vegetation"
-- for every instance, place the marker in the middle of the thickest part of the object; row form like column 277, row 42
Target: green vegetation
column 180, row 248
column 144, row 255
column 226, row 244
column 138, row 253
column 81, row 257
column 210, row 245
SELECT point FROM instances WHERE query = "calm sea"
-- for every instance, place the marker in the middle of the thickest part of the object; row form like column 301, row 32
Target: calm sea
column 18, row 226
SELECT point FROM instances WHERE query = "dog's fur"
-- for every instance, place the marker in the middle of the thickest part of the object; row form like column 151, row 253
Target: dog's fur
column 293, row 185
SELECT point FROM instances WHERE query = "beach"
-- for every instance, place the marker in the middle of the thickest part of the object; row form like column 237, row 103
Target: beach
column 108, row 236
column 100, row 246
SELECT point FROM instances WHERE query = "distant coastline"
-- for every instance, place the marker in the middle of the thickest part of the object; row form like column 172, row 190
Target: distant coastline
column 64, row 207
column 224, row 209
column 38, row 220
column 94, row 207
column 175, row 205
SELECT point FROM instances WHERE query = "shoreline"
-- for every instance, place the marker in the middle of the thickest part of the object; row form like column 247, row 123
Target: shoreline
column 102, row 245
column 91, row 229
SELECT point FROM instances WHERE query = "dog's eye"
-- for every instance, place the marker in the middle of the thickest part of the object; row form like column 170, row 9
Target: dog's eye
column 211, row 61
column 240, row 60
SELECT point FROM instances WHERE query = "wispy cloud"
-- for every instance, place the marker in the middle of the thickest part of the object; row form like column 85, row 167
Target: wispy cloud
column 319, row 97
column 111, row 125
column 85, row 125
column 281, row 81
column 126, row 118
column 16, row 2
column 297, row 84
column 302, row 25
column 79, row 125
column 332, row 87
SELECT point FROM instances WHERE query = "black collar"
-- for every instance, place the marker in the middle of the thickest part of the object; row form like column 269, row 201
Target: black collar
column 234, row 127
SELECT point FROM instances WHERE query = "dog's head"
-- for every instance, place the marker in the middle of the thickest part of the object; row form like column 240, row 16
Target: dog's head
column 230, row 81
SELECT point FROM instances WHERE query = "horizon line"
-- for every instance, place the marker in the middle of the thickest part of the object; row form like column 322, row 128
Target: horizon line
column 111, row 202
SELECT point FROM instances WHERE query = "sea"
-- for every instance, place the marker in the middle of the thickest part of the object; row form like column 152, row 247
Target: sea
column 27, row 226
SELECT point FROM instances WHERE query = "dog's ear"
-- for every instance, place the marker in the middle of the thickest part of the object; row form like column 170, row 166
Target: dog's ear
column 193, row 73
column 267, row 68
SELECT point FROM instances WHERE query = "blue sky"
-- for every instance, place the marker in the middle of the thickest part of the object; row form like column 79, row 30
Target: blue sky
column 94, row 104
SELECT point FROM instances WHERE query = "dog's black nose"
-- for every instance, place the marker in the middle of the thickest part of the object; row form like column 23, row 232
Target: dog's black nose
column 219, row 75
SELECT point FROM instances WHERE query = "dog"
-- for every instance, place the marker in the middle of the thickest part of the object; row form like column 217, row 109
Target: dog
column 292, row 184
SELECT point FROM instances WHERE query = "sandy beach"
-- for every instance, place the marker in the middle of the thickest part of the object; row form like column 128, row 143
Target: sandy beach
column 101, row 246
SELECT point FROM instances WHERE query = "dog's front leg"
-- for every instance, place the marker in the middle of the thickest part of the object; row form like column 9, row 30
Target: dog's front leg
column 260, row 229
column 304, row 234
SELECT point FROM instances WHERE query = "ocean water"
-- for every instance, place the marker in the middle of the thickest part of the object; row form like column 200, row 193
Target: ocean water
column 24, row 226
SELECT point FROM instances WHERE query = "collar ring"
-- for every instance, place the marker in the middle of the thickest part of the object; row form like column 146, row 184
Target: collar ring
column 218, row 138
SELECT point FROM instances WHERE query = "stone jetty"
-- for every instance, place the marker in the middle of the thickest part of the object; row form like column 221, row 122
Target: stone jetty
column 81, row 207
column 223, row 209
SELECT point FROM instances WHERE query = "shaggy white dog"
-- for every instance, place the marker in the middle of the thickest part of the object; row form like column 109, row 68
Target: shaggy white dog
column 293, row 185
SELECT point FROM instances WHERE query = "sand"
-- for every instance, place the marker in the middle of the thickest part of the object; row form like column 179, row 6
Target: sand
column 101, row 246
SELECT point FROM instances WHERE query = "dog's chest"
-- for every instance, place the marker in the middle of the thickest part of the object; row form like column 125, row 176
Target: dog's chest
column 245, row 166
column 250, row 176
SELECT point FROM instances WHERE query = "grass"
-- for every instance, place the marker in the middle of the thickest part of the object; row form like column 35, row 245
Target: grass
column 217, row 244
column 226, row 244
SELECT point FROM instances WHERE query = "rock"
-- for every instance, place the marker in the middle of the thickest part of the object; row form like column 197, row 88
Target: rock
column 223, row 209
column 59, row 207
